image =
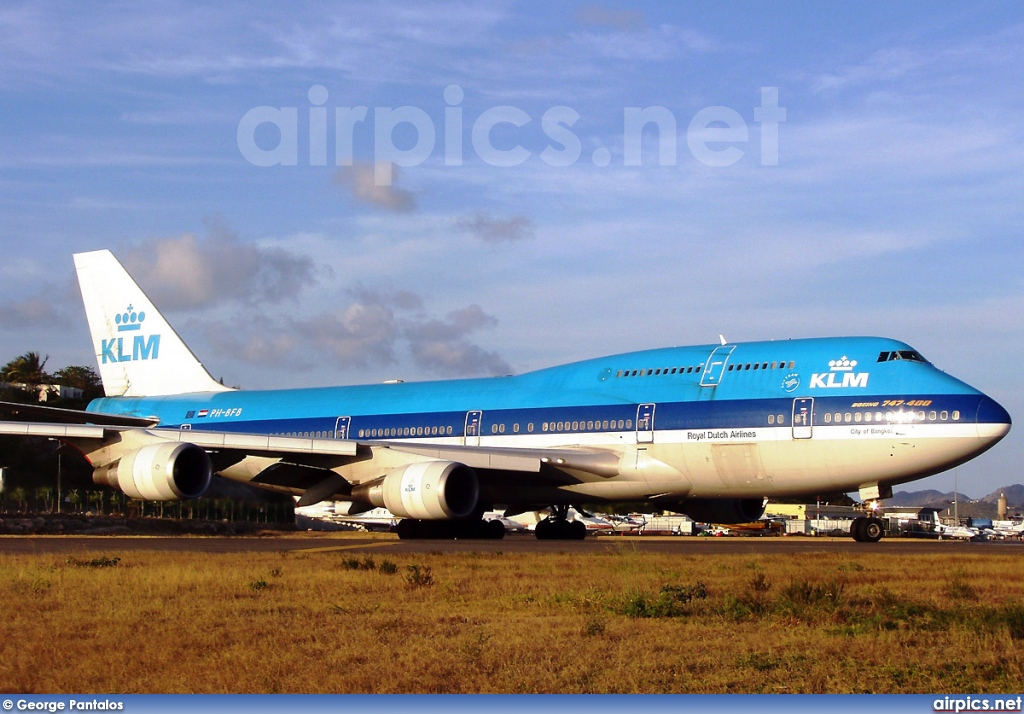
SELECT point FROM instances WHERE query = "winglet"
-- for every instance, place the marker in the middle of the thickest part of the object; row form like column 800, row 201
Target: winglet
column 138, row 352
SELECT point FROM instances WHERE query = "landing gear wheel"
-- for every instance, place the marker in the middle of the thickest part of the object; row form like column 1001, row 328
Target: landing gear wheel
column 493, row 530
column 577, row 530
column 872, row 530
column 857, row 529
column 407, row 529
column 545, row 529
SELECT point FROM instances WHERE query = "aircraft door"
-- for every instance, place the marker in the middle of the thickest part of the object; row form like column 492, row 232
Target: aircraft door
column 645, row 424
column 472, row 433
column 803, row 417
column 341, row 427
column 715, row 366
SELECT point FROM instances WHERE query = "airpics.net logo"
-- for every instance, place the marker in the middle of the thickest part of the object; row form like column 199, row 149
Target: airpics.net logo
column 130, row 348
column 716, row 136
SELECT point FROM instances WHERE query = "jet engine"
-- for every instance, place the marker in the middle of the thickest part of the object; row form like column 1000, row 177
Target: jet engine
column 427, row 490
column 159, row 472
column 724, row 510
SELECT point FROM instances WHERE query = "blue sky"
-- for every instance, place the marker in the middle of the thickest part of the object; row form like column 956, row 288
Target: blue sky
column 894, row 207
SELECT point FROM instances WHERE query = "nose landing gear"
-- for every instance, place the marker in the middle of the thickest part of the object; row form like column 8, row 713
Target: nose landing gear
column 867, row 529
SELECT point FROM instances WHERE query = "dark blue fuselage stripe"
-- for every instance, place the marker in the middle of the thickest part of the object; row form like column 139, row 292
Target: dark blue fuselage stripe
column 733, row 414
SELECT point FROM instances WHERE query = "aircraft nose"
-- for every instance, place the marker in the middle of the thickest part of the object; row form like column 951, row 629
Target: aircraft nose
column 993, row 421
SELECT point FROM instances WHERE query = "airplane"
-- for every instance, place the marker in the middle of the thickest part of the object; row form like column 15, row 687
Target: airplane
column 712, row 431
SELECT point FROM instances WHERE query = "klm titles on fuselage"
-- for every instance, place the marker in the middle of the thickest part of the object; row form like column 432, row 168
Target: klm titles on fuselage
column 840, row 376
column 142, row 347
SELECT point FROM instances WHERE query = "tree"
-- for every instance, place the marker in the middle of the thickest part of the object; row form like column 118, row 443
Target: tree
column 29, row 369
column 46, row 494
column 96, row 497
column 75, row 497
column 20, row 495
column 79, row 377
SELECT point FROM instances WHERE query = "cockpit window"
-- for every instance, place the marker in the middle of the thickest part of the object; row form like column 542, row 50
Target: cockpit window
column 908, row 355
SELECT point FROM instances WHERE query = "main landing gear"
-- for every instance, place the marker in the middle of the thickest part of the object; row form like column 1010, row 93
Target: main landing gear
column 557, row 526
column 471, row 529
column 867, row 529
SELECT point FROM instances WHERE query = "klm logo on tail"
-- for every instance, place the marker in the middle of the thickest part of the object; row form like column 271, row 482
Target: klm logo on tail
column 130, row 348
column 839, row 376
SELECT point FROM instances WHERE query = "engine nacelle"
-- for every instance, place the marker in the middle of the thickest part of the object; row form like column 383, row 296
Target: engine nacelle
column 724, row 510
column 427, row 490
column 160, row 472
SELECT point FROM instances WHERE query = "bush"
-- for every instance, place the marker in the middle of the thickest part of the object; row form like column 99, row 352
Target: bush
column 419, row 577
column 670, row 601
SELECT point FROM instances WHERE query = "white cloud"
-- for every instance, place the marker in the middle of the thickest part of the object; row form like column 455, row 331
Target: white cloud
column 359, row 180
column 189, row 272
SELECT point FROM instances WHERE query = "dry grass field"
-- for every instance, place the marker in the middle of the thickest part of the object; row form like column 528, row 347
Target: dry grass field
column 624, row 621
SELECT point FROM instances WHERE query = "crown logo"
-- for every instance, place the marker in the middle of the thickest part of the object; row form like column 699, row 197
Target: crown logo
column 129, row 320
column 842, row 365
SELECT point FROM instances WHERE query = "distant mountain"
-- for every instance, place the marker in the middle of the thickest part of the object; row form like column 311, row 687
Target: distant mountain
column 976, row 508
column 929, row 497
column 1014, row 495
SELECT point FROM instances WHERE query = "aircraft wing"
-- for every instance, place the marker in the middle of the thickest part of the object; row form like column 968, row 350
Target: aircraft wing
column 70, row 416
column 303, row 464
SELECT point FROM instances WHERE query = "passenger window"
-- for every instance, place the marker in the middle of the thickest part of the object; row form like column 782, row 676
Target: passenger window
column 629, row 422
column 828, row 418
column 944, row 416
column 782, row 419
column 956, row 416
column 771, row 418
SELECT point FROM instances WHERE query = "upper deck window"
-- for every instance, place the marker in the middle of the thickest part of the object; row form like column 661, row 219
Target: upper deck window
column 907, row 355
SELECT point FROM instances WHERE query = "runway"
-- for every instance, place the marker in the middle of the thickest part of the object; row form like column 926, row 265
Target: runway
column 314, row 543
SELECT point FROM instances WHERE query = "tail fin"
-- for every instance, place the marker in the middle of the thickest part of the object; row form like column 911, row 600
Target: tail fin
column 138, row 352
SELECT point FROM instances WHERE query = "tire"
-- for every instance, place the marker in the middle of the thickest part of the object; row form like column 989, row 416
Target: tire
column 577, row 530
column 543, row 531
column 872, row 530
column 857, row 529
column 494, row 530
column 407, row 529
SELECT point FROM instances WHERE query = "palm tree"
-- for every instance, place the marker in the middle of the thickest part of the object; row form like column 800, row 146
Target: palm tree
column 46, row 494
column 75, row 496
column 28, row 369
column 96, row 497
column 20, row 496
